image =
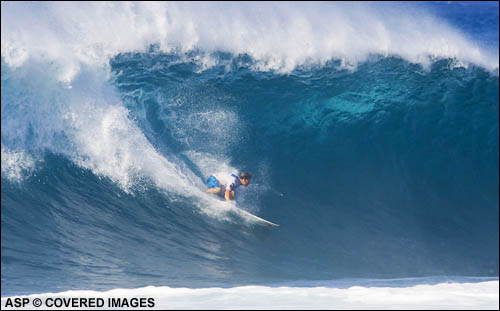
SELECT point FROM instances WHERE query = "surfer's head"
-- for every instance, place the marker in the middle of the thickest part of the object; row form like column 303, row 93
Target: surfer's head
column 245, row 178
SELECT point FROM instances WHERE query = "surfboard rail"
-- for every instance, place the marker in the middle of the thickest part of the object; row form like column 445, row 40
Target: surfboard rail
column 256, row 218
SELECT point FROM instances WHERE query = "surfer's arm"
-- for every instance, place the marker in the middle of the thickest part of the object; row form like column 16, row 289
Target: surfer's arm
column 229, row 194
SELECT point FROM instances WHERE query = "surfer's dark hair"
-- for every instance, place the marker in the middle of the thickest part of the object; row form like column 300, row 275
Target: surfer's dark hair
column 245, row 175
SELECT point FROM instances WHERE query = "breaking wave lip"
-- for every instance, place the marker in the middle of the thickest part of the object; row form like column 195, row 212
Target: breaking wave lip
column 278, row 36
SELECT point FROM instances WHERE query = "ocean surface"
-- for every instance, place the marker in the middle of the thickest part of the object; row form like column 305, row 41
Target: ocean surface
column 371, row 131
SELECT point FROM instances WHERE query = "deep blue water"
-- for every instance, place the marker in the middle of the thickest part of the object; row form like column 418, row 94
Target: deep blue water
column 389, row 170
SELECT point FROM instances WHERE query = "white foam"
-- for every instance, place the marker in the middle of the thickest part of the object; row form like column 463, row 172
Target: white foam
column 16, row 165
column 87, row 123
column 279, row 36
column 449, row 295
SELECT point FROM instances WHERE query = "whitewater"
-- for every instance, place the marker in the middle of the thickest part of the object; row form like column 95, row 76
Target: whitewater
column 371, row 130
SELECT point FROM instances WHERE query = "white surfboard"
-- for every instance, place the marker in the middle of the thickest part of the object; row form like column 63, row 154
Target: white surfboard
column 244, row 213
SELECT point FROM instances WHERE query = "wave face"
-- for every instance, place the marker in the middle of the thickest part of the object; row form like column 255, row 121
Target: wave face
column 378, row 159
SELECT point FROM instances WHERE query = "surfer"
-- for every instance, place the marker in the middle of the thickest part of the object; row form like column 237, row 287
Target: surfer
column 227, row 183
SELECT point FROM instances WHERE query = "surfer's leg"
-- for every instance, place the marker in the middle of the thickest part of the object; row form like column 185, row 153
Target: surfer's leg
column 213, row 190
column 213, row 185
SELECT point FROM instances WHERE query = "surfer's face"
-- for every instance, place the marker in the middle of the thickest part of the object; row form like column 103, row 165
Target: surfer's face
column 244, row 181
